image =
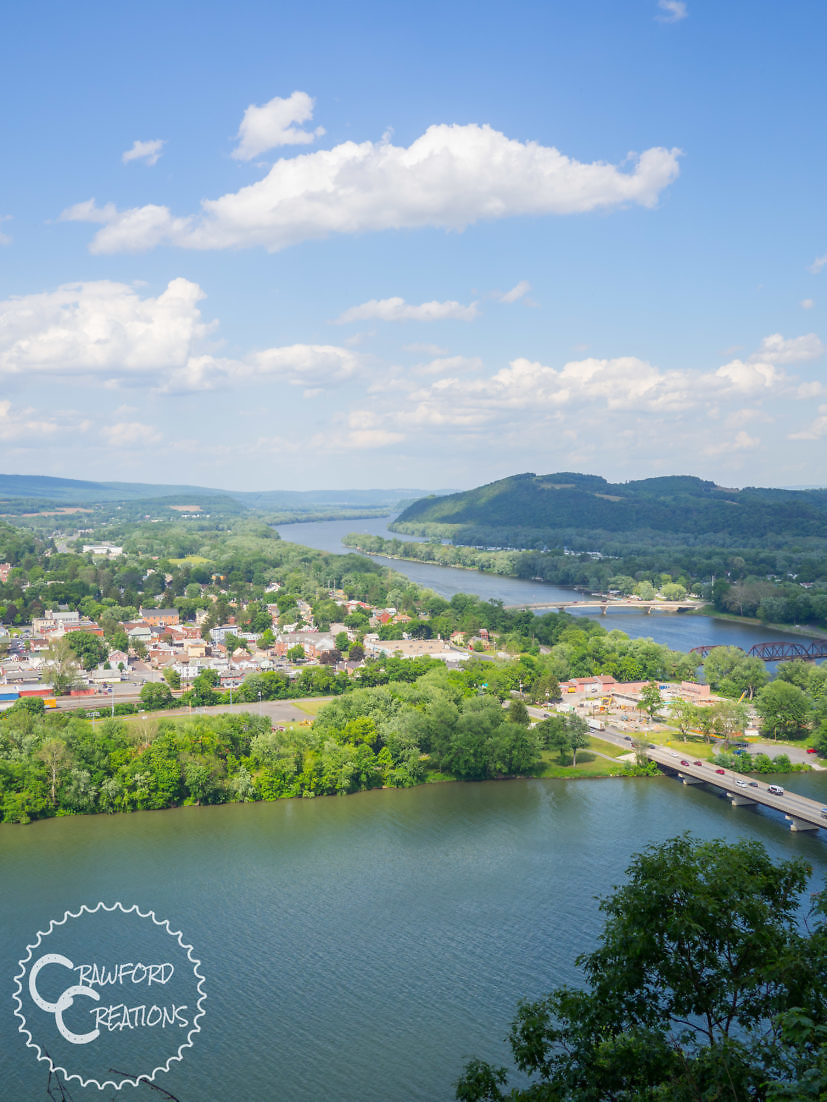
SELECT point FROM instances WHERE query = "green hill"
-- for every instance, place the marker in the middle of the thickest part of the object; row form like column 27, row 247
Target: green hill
column 583, row 511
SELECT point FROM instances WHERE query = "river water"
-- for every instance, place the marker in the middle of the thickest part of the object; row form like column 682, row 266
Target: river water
column 357, row 949
column 676, row 630
column 361, row 949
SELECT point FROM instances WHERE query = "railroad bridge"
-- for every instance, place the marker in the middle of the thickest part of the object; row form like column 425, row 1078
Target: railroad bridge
column 809, row 649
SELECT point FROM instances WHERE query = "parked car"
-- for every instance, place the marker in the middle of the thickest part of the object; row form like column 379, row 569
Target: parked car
column 811, row 749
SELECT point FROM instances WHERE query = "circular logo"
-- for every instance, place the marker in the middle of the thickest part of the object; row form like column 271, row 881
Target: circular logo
column 109, row 995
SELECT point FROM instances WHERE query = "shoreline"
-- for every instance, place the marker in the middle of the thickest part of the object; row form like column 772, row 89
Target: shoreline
column 709, row 611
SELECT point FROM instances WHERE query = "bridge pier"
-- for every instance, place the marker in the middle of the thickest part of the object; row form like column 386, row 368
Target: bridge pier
column 740, row 801
column 800, row 824
column 685, row 779
column 603, row 610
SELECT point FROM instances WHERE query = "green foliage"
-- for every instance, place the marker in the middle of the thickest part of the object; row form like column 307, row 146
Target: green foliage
column 784, row 709
column 704, row 985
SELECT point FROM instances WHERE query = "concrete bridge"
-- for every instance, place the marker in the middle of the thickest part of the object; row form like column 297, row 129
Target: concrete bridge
column 604, row 604
column 801, row 812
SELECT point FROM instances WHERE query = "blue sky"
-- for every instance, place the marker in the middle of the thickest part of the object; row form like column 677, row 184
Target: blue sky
column 260, row 247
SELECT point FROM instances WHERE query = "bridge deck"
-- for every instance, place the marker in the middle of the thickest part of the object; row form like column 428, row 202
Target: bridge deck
column 803, row 813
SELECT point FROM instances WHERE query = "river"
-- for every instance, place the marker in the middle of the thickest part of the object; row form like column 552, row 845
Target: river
column 676, row 630
column 358, row 949
column 361, row 949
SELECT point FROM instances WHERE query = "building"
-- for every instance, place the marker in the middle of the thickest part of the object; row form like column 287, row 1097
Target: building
column 159, row 617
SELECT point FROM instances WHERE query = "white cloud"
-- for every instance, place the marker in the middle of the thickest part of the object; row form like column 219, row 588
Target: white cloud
column 305, row 365
column 819, row 263
column 99, row 328
column 274, row 124
column 811, row 389
column 396, row 309
column 516, row 292
column 451, row 177
column 144, row 151
column 816, row 430
column 107, row 330
column 786, row 350
column 747, row 378
column 671, row 11
column 131, row 434
column 807, row 304
column 364, row 432
column 23, row 424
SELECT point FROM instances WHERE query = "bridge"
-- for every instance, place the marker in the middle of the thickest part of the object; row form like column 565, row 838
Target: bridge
column 604, row 604
column 801, row 812
column 775, row 652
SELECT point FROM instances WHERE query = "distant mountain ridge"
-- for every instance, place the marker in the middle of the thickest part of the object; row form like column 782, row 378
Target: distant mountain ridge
column 70, row 491
column 529, row 510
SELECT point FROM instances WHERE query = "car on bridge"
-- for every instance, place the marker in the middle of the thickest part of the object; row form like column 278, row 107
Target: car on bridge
column 721, row 771
column 697, row 763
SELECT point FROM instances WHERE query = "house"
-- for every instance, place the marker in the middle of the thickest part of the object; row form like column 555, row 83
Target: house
column 159, row 617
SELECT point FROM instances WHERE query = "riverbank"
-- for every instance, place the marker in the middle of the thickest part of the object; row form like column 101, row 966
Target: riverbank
column 752, row 621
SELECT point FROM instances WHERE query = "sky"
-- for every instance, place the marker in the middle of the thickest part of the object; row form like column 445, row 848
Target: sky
column 270, row 246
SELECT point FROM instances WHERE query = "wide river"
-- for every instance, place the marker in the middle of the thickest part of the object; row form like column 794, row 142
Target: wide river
column 675, row 630
column 360, row 949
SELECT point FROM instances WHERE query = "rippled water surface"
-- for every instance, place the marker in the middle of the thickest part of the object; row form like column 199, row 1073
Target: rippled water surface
column 359, row 948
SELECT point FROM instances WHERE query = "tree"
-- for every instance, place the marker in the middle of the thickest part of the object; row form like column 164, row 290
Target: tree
column 156, row 694
column 729, row 671
column 233, row 643
column 64, row 670
column 577, row 730
column 704, row 985
column 57, row 758
column 295, row 654
column 518, row 713
column 650, row 699
column 683, row 714
column 172, row 677
column 90, row 649
column 784, row 709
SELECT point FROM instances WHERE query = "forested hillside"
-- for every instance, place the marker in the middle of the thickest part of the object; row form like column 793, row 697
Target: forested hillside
column 586, row 511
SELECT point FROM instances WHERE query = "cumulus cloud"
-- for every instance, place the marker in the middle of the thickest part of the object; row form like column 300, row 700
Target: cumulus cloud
column 787, row 350
column 671, row 11
column 516, row 292
column 748, row 378
column 396, row 309
column 451, row 177
column 814, row 431
column 306, row 365
column 99, row 328
column 819, row 263
column 449, row 365
column 274, row 124
column 149, row 152
column 131, row 434
column 108, row 330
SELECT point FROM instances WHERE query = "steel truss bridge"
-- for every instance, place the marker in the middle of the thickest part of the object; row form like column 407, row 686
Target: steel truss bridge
column 775, row 652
